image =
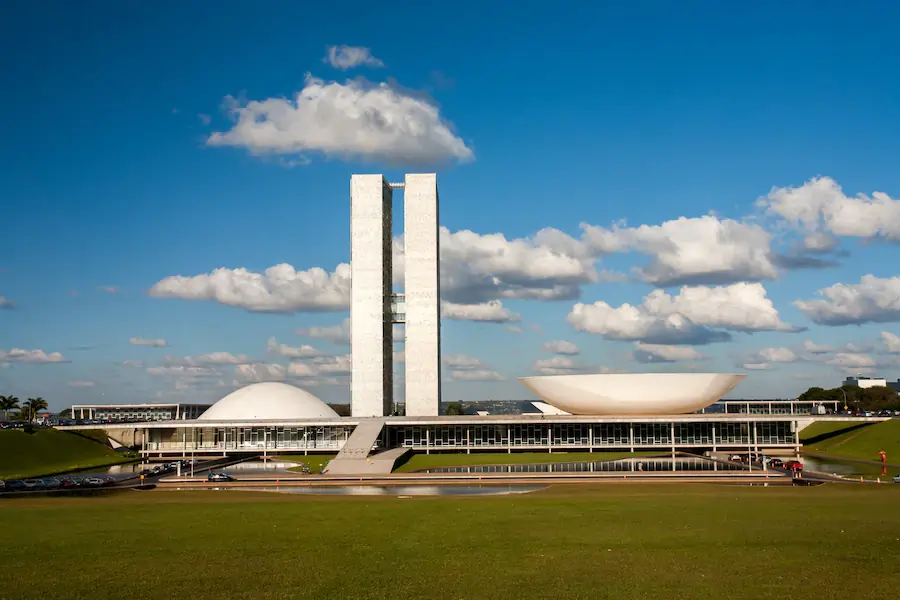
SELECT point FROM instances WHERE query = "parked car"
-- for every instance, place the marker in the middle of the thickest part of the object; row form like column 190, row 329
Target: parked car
column 94, row 482
column 2, row 486
column 15, row 485
column 793, row 465
column 67, row 483
column 51, row 483
column 219, row 476
column 776, row 463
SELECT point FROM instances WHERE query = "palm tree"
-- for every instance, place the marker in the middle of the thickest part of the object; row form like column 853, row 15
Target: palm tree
column 8, row 403
column 33, row 405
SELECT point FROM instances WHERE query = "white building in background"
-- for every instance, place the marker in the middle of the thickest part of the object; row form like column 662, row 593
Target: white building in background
column 866, row 382
column 373, row 306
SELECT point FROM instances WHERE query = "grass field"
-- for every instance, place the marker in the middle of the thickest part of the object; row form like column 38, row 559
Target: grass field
column 48, row 451
column 860, row 443
column 314, row 460
column 419, row 461
column 609, row 541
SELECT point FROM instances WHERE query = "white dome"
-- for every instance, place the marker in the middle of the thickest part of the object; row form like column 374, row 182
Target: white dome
column 268, row 401
column 637, row 394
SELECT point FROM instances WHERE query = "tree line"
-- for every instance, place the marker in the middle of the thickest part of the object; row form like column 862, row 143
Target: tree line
column 855, row 398
column 24, row 411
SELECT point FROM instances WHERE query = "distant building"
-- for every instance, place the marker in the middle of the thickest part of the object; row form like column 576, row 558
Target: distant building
column 867, row 382
column 894, row 385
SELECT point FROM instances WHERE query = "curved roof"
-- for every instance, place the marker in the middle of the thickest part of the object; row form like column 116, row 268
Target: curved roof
column 632, row 394
column 268, row 401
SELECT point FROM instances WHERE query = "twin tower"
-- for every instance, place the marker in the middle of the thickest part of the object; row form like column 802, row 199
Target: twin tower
column 374, row 308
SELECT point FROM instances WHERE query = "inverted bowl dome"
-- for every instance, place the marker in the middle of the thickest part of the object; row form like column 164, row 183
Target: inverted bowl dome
column 268, row 401
column 632, row 394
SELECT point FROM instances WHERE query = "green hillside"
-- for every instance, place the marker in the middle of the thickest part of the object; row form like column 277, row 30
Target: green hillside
column 848, row 440
column 48, row 451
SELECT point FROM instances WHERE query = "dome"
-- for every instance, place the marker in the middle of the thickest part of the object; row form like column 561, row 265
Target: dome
column 638, row 394
column 268, row 401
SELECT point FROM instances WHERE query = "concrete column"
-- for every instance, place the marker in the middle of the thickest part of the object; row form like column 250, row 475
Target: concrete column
column 550, row 439
column 422, row 287
column 631, row 435
column 371, row 285
column 591, row 439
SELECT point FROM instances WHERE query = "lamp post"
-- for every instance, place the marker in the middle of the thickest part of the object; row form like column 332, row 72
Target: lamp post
column 844, row 392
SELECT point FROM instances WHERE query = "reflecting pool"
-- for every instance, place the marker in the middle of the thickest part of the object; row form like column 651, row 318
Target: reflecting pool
column 636, row 464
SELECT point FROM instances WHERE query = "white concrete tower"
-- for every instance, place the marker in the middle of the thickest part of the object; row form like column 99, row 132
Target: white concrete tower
column 372, row 370
column 423, row 294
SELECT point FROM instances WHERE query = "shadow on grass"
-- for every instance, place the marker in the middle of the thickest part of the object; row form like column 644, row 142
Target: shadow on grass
column 831, row 434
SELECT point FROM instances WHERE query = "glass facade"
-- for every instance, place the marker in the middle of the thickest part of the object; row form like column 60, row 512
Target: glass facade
column 511, row 436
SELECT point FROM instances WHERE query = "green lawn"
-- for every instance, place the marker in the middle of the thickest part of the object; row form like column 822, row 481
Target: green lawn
column 49, row 451
column 619, row 541
column 861, row 443
column 420, row 461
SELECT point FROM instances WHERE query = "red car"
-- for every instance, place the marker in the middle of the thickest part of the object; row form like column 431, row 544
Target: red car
column 793, row 465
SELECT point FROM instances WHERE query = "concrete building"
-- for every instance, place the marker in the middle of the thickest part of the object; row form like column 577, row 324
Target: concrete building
column 137, row 412
column 374, row 308
column 866, row 382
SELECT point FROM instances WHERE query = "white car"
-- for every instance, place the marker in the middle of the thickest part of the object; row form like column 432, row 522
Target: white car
column 896, row 478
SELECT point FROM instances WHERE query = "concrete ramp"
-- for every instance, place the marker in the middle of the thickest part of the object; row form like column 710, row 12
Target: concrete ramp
column 374, row 464
column 355, row 457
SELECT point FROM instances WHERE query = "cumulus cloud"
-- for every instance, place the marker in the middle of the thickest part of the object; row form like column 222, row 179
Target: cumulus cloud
column 462, row 361
column 213, row 358
column 765, row 358
column 133, row 364
column 139, row 341
column 333, row 365
column 304, row 351
column 890, row 341
column 476, row 375
column 356, row 119
column 701, row 250
column 558, row 365
column 872, row 300
column 851, row 360
column 696, row 315
column 82, row 384
column 814, row 348
column 6, row 303
column 281, row 289
column 336, row 334
column 183, row 371
column 347, row 57
column 561, row 347
column 820, row 206
column 657, row 353
column 514, row 329
column 18, row 355
column 487, row 312
column 257, row 372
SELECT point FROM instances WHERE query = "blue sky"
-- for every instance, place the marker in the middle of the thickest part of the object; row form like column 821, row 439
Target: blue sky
column 601, row 156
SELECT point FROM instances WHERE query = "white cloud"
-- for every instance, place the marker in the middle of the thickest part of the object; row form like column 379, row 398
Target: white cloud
column 820, row 205
column 280, row 289
column 814, row 348
column 139, row 341
column 558, row 365
column 304, row 351
column 213, row 358
column 514, row 329
column 333, row 365
column 336, row 334
column 476, row 375
column 347, row 57
column 561, row 347
column 890, row 341
column 30, row 356
column 134, row 364
column 851, row 360
column 260, row 372
column 110, row 289
column 6, row 303
column 183, row 371
column 693, row 316
column 355, row 119
column 756, row 366
column 872, row 300
column 765, row 358
column 488, row 312
column 701, row 250
column 82, row 384
column 656, row 353
column 462, row 361
column 300, row 369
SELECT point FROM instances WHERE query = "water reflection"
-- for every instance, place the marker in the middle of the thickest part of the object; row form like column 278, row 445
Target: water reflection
column 845, row 468
column 683, row 463
column 252, row 467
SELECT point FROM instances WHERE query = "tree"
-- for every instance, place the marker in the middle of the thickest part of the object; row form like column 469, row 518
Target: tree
column 33, row 406
column 455, row 408
column 8, row 403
